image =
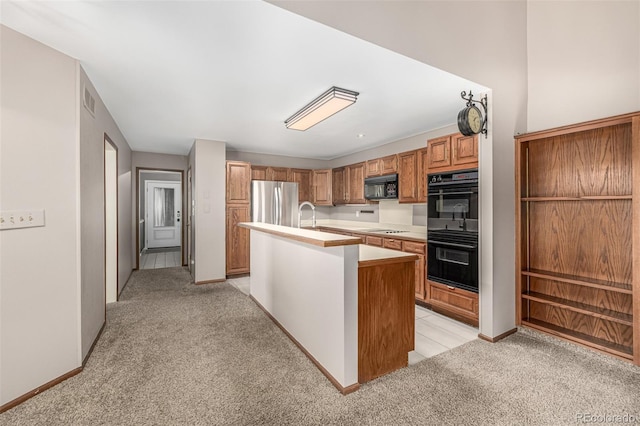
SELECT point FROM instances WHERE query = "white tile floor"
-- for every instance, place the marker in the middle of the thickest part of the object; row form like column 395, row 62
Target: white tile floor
column 435, row 333
column 160, row 258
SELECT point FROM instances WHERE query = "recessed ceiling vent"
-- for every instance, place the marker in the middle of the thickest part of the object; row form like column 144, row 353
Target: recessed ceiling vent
column 89, row 102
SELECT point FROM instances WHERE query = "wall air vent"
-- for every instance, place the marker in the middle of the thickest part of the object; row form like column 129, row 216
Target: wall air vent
column 89, row 102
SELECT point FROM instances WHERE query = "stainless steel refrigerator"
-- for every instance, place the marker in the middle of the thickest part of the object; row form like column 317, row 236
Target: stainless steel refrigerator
column 274, row 202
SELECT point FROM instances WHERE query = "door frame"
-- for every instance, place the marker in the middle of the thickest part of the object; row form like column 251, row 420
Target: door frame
column 137, row 218
column 108, row 140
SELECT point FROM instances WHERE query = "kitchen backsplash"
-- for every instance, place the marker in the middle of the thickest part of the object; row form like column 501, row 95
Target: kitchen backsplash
column 416, row 213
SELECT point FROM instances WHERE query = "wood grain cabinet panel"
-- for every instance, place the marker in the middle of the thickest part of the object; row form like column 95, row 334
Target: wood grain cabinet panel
column 386, row 318
column 279, row 174
column 392, row 243
column 439, row 152
column 373, row 241
column 451, row 153
column 577, row 225
column 382, row 166
column 420, row 250
column 389, row 164
column 238, row 182
column 355, row 173
column 322, row 187
column 454, row 302
column 464, row 150
column 258, row 172
column 338, row 185
column 238, row 197
column 374, row 168
column 423, row 168
column 303, row 178
column 407, row 177
column 237, row 239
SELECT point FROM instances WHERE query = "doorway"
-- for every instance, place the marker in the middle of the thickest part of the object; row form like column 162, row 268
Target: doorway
column 110, row 220
column 160, row 213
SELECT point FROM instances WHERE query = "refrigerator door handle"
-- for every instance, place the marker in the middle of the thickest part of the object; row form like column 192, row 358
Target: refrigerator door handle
column 278, row 202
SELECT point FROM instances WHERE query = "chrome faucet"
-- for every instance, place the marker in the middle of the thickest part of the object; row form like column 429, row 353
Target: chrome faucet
column 313, row 209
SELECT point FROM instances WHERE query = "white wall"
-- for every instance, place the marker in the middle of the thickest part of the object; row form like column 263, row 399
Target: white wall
column 92, row 131
column 275, row 160
column 209, row 176
column 584, row 61
column 434, row 33
column 39, row 267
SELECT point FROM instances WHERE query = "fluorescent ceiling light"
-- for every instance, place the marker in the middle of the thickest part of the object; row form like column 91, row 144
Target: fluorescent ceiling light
column 321, row 108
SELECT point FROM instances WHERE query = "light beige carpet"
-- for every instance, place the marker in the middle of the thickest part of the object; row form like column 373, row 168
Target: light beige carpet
column 173, row 353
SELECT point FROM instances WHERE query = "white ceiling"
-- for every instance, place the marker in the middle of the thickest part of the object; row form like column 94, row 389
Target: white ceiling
column 173, row 71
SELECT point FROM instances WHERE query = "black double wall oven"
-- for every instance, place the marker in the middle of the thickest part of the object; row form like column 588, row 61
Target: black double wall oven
column 452, row 229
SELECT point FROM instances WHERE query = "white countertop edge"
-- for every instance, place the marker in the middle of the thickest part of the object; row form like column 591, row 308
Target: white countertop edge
column 299, row 233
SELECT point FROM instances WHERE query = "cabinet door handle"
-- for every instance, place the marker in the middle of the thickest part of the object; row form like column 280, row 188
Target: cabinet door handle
column 451, row 288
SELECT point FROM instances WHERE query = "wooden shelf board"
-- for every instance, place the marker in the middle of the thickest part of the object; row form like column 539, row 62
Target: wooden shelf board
column 621, row 351
column 581, row 308
column 583, row 198
column 586, row 282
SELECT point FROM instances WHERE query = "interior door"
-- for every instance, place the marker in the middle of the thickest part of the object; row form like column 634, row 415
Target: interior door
column 162, row 216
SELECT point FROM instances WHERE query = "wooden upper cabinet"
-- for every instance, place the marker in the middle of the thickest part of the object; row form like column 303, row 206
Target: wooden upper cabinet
column 322, row 187
column 258, row 172
column 303, row 178
column 339, row 185
column 279, row 174
column 382, row 166
column 373, row 168
column 389, row 164
column 439, row 152
column 452, row 152
column 238, row 182
column 423, row 167
column 355, row 185
column 464, row 150
column 407, row 177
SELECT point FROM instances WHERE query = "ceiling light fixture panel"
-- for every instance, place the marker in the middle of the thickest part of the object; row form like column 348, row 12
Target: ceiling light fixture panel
column 324, row 106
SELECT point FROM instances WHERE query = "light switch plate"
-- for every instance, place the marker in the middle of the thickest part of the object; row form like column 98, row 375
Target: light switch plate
column 14, row 219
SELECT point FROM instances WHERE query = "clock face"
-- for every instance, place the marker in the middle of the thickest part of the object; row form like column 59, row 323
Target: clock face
column 470, row 121
column 474, row 120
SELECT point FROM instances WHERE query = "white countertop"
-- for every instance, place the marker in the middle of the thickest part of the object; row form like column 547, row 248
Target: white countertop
column 322, row 239
column 326, row 239
column 410, row 231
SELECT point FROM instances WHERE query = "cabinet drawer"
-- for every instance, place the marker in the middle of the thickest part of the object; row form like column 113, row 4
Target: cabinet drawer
column 413, row 247
column 374, row 241
column 457, row 299
column 393, row 244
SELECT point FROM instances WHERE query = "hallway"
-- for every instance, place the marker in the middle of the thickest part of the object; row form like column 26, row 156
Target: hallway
column 166, row 257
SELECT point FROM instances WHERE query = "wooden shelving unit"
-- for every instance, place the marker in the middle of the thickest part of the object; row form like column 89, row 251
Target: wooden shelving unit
column 578, row 233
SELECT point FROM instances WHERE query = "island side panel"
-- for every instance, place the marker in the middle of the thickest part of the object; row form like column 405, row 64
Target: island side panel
column 312, row 292
column 386, row 318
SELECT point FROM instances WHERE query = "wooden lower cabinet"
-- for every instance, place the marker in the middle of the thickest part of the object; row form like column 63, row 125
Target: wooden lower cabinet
column 392, row 243
column 421, row 264
column 237, row 239
column 386, row 317
column 373, row 241
column 454, row 302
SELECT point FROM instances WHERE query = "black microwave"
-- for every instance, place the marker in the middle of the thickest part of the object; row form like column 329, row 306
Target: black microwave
column 381, row 187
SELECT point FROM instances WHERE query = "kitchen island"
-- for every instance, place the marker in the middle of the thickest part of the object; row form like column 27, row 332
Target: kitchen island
column 348, row 307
